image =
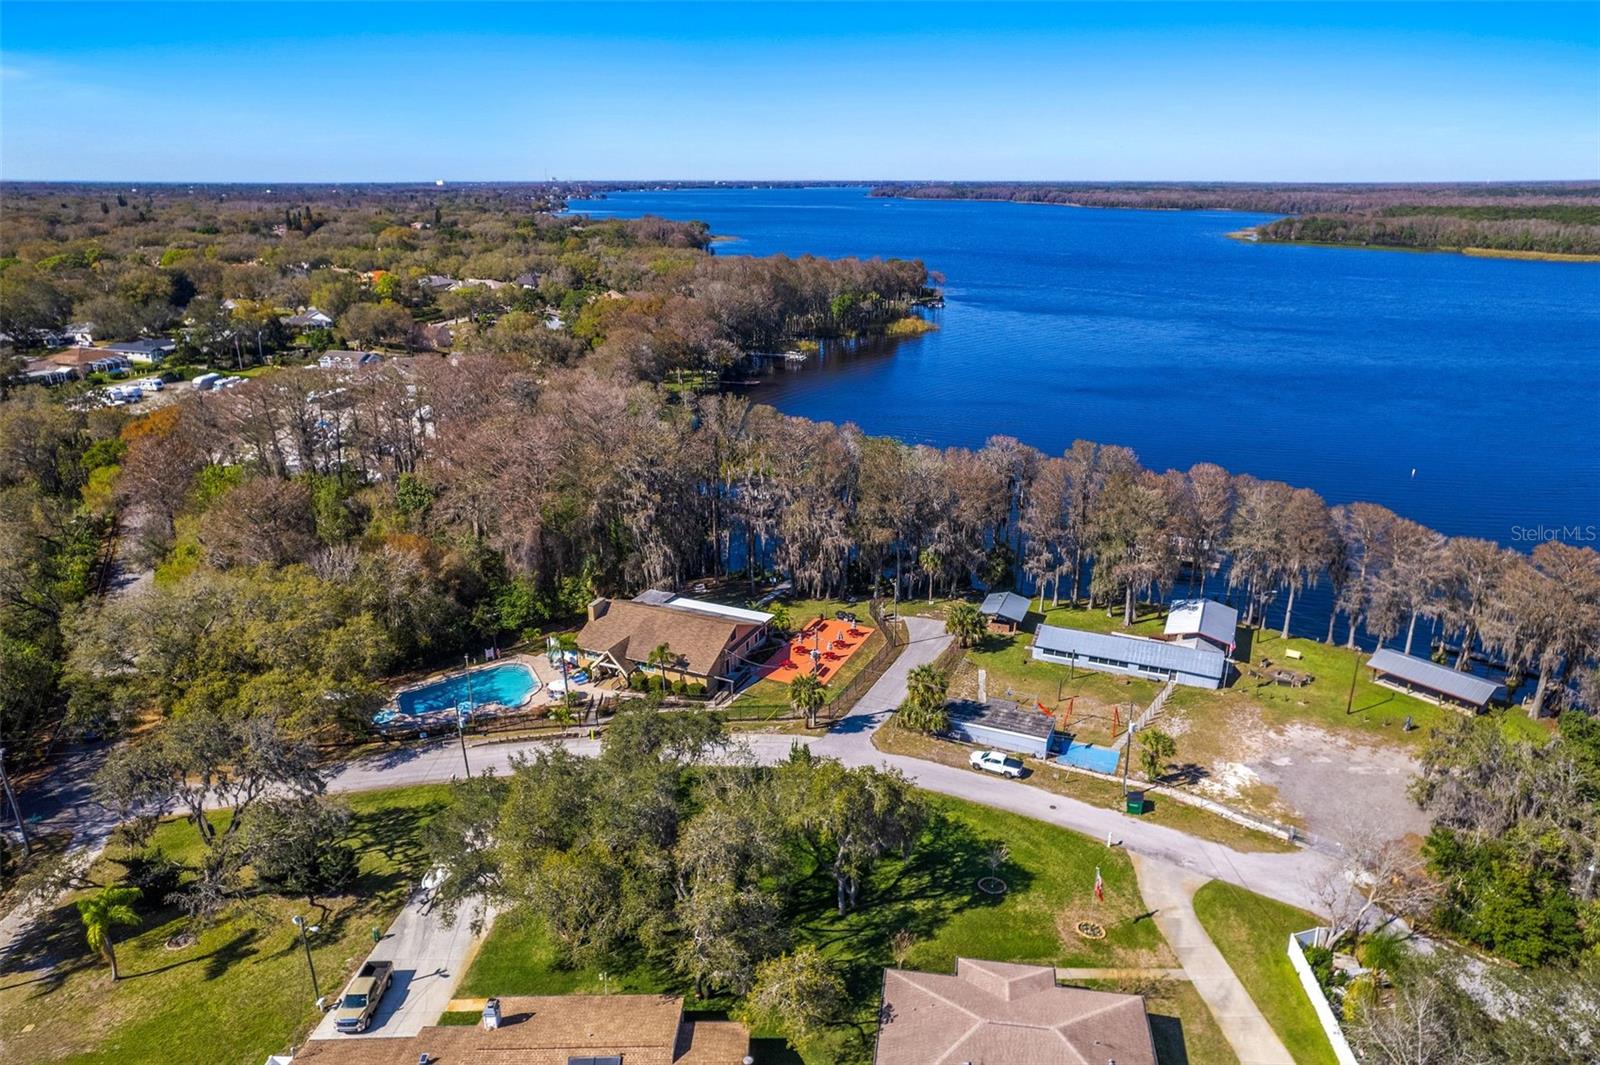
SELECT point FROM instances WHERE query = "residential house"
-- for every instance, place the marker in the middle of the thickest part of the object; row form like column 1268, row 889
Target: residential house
column 552, row 1030
column 91, row 360
column 1005, row 611
column 1201, row 623
column 45, row 372
column 1429, row 680
column 998, row 1013
column 310, row 318
column 1131, row 656
column 145, row 352
column 710, row 643
column 1002, row 724
column 437, row 282
column 80, row 333
column 348, row 360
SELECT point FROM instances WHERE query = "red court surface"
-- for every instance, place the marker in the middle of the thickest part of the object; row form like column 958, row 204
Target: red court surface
column 836, row 640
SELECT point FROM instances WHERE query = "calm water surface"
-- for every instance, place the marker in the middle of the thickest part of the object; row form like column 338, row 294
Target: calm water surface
column 1337, row 369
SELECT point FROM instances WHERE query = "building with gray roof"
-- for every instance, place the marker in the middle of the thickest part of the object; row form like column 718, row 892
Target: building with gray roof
column 1002, row 724
column 1006, row 611
column 1196, row 621
column 1131, row 656
column 1441, row 684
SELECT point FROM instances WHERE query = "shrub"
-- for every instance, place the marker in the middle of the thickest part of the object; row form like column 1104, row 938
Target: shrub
column 697, row 688
column 639, row 682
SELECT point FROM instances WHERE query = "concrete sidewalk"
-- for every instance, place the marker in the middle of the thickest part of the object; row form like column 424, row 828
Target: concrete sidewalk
column 428, row 960
column 1169, row 892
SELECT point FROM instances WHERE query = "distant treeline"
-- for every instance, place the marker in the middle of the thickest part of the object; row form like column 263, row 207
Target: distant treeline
column 1559, row 217
column 1443, row 228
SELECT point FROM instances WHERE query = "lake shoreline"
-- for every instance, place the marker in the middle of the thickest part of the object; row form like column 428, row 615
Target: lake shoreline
column 1253, row 236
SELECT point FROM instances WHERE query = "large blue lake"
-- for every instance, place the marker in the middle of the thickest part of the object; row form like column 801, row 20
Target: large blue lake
column 1338, row 369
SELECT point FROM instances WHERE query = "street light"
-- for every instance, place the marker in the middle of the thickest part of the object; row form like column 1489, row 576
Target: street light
column 16, row 812
column 300, row 923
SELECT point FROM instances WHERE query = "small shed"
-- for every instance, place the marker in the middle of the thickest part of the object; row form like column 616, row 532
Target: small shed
column 1198, row 622
column 1003, row 725
column 1429, row 680
column 1005, row 611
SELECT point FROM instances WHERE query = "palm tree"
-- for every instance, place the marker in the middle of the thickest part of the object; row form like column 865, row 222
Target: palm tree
column 663, row 657
column 102, row 912
column 566, row 642
column 965, row 622
column 931, row 562
column 806, row 696
column 924, row 709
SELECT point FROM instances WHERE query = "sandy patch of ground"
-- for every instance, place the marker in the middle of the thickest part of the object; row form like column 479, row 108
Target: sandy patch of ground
column 1339, row 787
column 1329, row 784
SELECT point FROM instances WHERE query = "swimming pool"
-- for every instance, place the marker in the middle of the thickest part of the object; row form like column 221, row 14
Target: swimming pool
column 508, row 684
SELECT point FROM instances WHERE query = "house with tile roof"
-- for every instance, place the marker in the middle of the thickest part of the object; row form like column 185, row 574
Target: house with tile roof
column 998, row 1013
column 552, row 1030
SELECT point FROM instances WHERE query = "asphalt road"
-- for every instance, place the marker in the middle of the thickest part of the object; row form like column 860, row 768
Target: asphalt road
column 1291, row 877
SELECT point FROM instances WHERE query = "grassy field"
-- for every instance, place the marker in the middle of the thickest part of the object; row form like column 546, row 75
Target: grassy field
column 1376, row 712
column 237, row 994
column 933, row 895
column 1253, row 935
column 1092, row 790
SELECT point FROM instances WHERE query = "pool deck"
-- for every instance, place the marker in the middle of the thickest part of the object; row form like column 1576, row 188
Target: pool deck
column 535, row 662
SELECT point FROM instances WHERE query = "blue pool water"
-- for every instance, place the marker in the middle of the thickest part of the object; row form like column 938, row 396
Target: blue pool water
column 508, row 684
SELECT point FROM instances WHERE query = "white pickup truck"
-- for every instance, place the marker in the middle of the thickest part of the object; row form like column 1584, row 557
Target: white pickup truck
column 1006, row 765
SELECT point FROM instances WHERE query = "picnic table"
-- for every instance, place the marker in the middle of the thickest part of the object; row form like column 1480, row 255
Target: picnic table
column 1291, row 677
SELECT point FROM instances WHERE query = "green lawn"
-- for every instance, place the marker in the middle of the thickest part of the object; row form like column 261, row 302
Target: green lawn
column 1253, row 934
column 241, row 991
column 1013, row 673
column 1375, row 712
column 933, row 895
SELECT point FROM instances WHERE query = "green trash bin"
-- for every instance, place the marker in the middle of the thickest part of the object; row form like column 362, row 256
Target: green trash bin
column 1136, row 803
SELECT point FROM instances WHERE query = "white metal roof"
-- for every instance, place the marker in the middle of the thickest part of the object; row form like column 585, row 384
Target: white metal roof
column 1203, row 617
column 656, row 597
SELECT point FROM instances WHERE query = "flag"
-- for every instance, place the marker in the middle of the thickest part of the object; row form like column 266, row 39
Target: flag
column 1099, row 886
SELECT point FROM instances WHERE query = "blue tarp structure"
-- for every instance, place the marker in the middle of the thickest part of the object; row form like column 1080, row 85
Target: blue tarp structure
column 1089, row 756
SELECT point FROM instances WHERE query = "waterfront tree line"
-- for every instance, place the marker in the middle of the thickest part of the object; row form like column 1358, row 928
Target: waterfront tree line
column 1561, row 217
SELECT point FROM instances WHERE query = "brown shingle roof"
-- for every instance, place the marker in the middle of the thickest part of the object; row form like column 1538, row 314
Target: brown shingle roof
column 996, row 1013
column 547, row 1030
column 630, row 631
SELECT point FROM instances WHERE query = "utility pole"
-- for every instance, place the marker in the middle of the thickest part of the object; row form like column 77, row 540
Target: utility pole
column 16, row 811
column 300, row 923
column 1355, row 671
column 461, row 728
column 1127, row 758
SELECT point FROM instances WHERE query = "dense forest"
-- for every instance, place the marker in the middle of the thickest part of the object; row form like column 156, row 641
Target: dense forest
column 1545, row 217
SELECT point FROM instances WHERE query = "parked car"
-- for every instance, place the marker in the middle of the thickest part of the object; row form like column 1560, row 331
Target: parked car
column 360, row 1000
column 1007, row 765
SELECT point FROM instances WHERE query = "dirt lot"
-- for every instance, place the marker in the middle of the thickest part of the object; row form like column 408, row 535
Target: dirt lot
column 1330, row 784
column 1338, row 787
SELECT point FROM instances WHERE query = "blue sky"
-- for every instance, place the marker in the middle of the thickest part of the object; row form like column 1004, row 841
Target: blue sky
column 411, row 91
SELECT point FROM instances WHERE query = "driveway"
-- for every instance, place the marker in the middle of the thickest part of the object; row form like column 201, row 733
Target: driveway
column 428, row 960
